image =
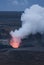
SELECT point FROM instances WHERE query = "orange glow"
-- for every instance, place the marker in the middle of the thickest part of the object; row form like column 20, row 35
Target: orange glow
column 15, row 42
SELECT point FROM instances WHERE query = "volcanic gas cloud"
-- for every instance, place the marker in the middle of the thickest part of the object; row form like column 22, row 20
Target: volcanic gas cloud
column 32, row 22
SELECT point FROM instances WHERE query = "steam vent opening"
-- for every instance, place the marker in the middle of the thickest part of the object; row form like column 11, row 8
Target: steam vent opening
column 15, row 42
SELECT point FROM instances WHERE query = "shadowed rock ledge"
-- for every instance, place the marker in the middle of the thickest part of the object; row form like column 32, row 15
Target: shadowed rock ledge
column 22, row 56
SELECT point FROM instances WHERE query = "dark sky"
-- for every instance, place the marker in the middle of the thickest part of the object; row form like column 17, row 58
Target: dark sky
column 18, row 5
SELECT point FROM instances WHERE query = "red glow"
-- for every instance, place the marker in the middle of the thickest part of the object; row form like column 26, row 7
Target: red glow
column 15, row 42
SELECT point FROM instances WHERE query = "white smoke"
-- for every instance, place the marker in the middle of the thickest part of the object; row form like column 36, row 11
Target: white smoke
column 32, row 22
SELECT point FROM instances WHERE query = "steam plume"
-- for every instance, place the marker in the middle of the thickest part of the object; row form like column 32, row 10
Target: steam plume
column 32, row 22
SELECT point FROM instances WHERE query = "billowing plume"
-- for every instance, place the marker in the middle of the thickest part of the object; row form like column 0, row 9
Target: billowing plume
column 32, row 22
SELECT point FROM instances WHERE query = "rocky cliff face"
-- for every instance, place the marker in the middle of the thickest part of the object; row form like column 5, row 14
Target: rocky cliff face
column 36, row 40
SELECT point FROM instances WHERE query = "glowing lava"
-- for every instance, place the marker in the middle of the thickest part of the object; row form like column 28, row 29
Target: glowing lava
column 15, row 42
